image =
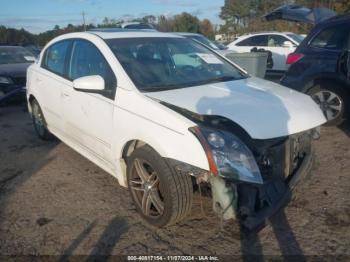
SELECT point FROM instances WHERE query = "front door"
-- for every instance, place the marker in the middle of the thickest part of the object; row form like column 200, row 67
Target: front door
column 89, row 116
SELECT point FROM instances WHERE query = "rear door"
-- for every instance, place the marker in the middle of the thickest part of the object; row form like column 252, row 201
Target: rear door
column 89, row 116
column 344, row 61
column 51, row 82
column 326, row 48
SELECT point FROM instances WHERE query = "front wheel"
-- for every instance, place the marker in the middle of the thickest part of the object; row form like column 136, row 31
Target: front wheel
column 332, row 101
column 161, row 195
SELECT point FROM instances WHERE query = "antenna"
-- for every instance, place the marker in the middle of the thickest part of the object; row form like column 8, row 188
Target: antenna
column 84, row 24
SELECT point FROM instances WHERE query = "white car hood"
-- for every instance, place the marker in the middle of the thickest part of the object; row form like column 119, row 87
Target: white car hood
column 264, row 109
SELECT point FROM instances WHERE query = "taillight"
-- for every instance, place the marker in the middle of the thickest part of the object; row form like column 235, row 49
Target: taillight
column 293, row 58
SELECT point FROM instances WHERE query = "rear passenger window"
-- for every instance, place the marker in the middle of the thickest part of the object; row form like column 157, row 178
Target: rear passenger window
column 332, row 38
column 55, row 57
column 87, row 60
column 259, row 40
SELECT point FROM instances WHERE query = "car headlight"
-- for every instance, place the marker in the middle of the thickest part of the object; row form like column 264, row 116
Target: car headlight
column 5, row 80
column 228, row 156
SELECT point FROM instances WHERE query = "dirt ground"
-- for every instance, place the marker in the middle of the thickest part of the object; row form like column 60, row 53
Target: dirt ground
column 55, row 202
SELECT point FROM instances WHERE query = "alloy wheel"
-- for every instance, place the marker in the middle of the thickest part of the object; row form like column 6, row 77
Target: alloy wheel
column 330, row 103
column 145, row 186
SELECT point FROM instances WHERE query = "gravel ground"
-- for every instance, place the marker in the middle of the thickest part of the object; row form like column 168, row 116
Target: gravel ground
column 55, row 202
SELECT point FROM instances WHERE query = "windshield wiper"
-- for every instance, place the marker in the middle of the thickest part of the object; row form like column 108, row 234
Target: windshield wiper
column 198, row 83
column 216, row 80
column 159, row 88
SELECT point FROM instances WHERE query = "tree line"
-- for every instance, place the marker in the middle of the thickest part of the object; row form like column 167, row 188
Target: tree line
column 183, row 22
column 239, row 16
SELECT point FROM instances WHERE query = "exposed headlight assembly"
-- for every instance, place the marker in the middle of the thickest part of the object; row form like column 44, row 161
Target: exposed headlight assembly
column 5, row 80
column 228, row 156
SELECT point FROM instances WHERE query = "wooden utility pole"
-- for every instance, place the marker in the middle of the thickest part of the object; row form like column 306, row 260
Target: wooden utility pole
column 84, row 24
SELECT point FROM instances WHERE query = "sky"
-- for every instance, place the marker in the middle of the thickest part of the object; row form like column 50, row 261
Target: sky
column 41, row 15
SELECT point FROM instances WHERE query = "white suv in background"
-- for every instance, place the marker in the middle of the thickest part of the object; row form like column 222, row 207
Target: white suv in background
column 164, row 114
column 280, row 45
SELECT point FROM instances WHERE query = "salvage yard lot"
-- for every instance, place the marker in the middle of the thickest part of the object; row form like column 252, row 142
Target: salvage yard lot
column 53, row 202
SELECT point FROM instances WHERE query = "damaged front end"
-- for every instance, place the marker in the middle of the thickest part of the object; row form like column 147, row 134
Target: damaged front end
column 252, row 183
column 250, row 179
column 282, row 165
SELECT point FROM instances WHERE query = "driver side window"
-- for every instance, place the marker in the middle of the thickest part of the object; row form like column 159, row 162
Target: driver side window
column 87, row 60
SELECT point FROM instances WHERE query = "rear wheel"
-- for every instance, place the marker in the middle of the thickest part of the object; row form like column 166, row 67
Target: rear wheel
column 39, row 122
column 332, row 101
column 162, row 196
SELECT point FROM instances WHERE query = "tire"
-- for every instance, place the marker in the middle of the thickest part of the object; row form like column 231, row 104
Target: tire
column 334, row 105
column 39, row 122
column 166, row 195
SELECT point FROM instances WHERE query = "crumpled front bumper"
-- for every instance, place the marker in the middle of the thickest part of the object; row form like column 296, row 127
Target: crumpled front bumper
column 277, row 193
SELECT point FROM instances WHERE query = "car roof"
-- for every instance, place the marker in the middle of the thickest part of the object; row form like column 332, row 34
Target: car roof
column 268, row 32
column 128, row 33
column 187, row 34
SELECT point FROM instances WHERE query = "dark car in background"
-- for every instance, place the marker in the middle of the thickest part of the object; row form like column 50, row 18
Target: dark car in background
column 320, row 64
column 320, row 67
column 14, row 61
column 34, row 50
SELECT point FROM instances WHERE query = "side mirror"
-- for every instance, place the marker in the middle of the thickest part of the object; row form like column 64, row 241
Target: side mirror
column 89, row 84
column 288, row 44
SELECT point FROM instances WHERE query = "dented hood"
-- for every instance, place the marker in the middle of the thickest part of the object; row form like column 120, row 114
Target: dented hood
column 264, row 109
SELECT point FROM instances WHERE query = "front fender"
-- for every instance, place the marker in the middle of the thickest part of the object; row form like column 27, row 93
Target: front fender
column 140, row 118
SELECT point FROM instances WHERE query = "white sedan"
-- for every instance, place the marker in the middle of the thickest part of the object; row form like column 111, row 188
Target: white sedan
column 164, row 114
column 279, row 44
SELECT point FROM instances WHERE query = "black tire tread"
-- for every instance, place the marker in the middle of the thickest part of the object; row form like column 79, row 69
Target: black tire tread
column 178, row 185
column 47, row 135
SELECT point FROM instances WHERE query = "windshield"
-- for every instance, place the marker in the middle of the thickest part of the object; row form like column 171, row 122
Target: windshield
column 297, row 38
column 163, row 63
column 204, row 41
column 15, row 55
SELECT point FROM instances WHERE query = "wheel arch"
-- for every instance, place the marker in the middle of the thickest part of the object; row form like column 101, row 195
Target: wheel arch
column 321, row 80
column 126, row 150
column 167, row 151
column 131, row 146
column 31, row 98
